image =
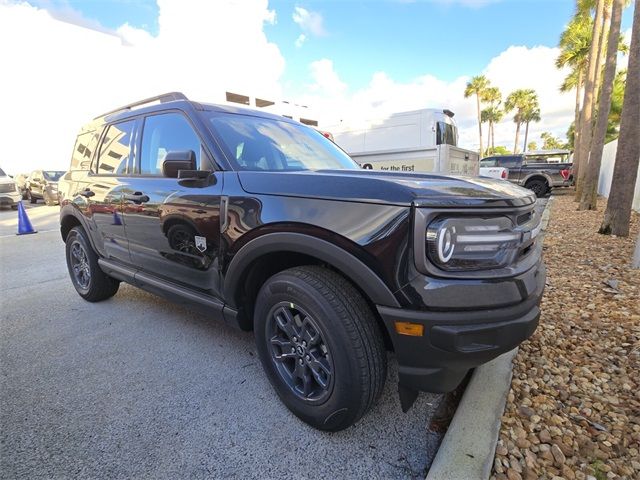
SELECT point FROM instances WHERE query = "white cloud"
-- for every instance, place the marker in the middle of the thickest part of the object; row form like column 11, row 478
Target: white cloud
column 58, row 75
column 516, row 67
column 309, row 21
column 326, row 80
column 300, row 40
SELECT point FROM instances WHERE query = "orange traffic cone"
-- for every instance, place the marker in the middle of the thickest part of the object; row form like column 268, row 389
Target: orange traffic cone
column 24, row 225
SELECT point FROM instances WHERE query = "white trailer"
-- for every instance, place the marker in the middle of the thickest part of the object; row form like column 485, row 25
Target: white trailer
column 417, row 141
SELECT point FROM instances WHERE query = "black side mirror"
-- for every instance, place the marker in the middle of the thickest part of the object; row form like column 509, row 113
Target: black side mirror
column 178, row 160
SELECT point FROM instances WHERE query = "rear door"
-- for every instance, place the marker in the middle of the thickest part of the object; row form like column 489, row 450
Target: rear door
column 173, row 226
column 103, row 192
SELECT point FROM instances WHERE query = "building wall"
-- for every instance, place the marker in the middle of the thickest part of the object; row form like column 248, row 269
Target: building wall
column 606, row 174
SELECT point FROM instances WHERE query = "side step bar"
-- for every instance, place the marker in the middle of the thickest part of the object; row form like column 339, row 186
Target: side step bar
column 177, row 293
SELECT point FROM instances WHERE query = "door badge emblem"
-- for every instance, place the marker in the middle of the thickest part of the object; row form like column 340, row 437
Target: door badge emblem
column 201, row 243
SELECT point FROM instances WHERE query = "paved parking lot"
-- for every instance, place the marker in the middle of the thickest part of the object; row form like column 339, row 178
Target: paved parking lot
column 137, row 387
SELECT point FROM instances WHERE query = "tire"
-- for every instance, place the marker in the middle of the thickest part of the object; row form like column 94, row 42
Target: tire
column 345, row 346
column 88, row 279
column 539, row 187
column 14, row 207
column 31, row 198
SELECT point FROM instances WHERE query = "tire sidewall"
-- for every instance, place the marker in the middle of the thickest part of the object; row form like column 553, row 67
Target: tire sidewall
column 77, row 235
column 345, row 394
column 543, row 188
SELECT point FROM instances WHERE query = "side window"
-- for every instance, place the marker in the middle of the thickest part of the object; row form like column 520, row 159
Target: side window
column 165, row 133
column 508, row 162
column 83, row 150
column 116, row 149
column 489, row 162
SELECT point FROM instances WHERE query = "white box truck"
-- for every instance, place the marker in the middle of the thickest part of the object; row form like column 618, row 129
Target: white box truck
column 418, row 141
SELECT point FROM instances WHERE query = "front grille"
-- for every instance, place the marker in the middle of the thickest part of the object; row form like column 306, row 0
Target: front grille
column 7, row 187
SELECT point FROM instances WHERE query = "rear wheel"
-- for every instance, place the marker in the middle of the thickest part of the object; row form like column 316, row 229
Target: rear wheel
column 89, row 280
column 320, row 346
column 48, row 200
column 539, row 187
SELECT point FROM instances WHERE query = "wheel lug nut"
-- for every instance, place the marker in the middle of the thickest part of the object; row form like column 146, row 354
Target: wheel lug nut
column 295, row 339
column 304, row 344
column 308, row 357
column 293, row 349
column 301, row 362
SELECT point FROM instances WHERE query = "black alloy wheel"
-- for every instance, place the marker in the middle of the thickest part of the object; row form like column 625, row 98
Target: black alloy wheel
column 80, row 265
column 299, row 352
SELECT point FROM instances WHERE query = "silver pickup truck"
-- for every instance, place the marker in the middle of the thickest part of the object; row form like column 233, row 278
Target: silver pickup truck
column 537, row 171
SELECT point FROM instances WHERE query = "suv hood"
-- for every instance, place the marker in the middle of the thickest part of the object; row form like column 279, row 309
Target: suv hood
column 370, row 186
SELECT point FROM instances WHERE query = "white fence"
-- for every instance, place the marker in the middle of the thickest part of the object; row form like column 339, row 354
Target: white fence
column 606, row 174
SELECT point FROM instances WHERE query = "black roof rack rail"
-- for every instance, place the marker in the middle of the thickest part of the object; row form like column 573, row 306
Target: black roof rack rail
column 162, row 98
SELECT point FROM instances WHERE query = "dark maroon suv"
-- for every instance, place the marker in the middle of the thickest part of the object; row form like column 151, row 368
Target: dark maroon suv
column 263, row 223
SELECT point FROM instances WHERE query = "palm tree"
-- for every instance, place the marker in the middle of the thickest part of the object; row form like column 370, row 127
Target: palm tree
column 476, row 86
column 574, row 51
column 589, row 197
column 550, row 142
column 492, row 115
column 531, row 114
column 519, row 100
column 618, row 214
column 584, row 126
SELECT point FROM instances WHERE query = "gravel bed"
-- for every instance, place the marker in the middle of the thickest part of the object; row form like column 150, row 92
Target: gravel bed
column 573, row 410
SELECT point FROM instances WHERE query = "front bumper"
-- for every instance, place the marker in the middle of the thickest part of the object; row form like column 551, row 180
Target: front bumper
column 11, row 198
column 455, row 341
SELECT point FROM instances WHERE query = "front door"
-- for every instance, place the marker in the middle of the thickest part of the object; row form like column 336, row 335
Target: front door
column 173, row 227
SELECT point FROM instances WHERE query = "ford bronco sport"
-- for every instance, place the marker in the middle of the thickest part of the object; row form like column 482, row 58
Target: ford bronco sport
column 265, row 224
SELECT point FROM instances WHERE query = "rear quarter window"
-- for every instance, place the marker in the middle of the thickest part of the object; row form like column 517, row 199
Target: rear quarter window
column 83, row 150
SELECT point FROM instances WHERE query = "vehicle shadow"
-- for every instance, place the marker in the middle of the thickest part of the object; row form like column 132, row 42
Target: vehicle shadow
column 384, row 443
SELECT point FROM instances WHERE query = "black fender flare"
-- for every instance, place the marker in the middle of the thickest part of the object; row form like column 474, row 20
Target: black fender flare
column 349, row 265
column 69, row 210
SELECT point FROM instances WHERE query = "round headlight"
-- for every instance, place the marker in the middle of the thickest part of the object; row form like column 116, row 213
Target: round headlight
column 446, row 243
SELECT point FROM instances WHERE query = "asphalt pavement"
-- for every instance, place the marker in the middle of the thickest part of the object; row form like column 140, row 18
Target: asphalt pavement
column 137, row 387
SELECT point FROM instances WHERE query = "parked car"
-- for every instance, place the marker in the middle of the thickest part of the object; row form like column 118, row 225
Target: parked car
column 21, row 182
column 539, row 171
column 43, row 185
column 265, row 224
column 9, row 194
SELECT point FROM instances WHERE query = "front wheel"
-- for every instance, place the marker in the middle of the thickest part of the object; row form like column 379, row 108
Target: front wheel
column 32, row 199
column 320, row 346
column 87, row 277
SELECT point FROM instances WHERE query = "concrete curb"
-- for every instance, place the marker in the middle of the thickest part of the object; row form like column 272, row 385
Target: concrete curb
column 468, row 448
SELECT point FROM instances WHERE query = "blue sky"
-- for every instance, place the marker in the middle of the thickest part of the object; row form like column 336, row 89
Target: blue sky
column 406, row 39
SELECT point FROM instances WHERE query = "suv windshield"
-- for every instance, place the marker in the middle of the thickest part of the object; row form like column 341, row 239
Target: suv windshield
column 256, row 143
column 52, row 175
column 446, row 134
